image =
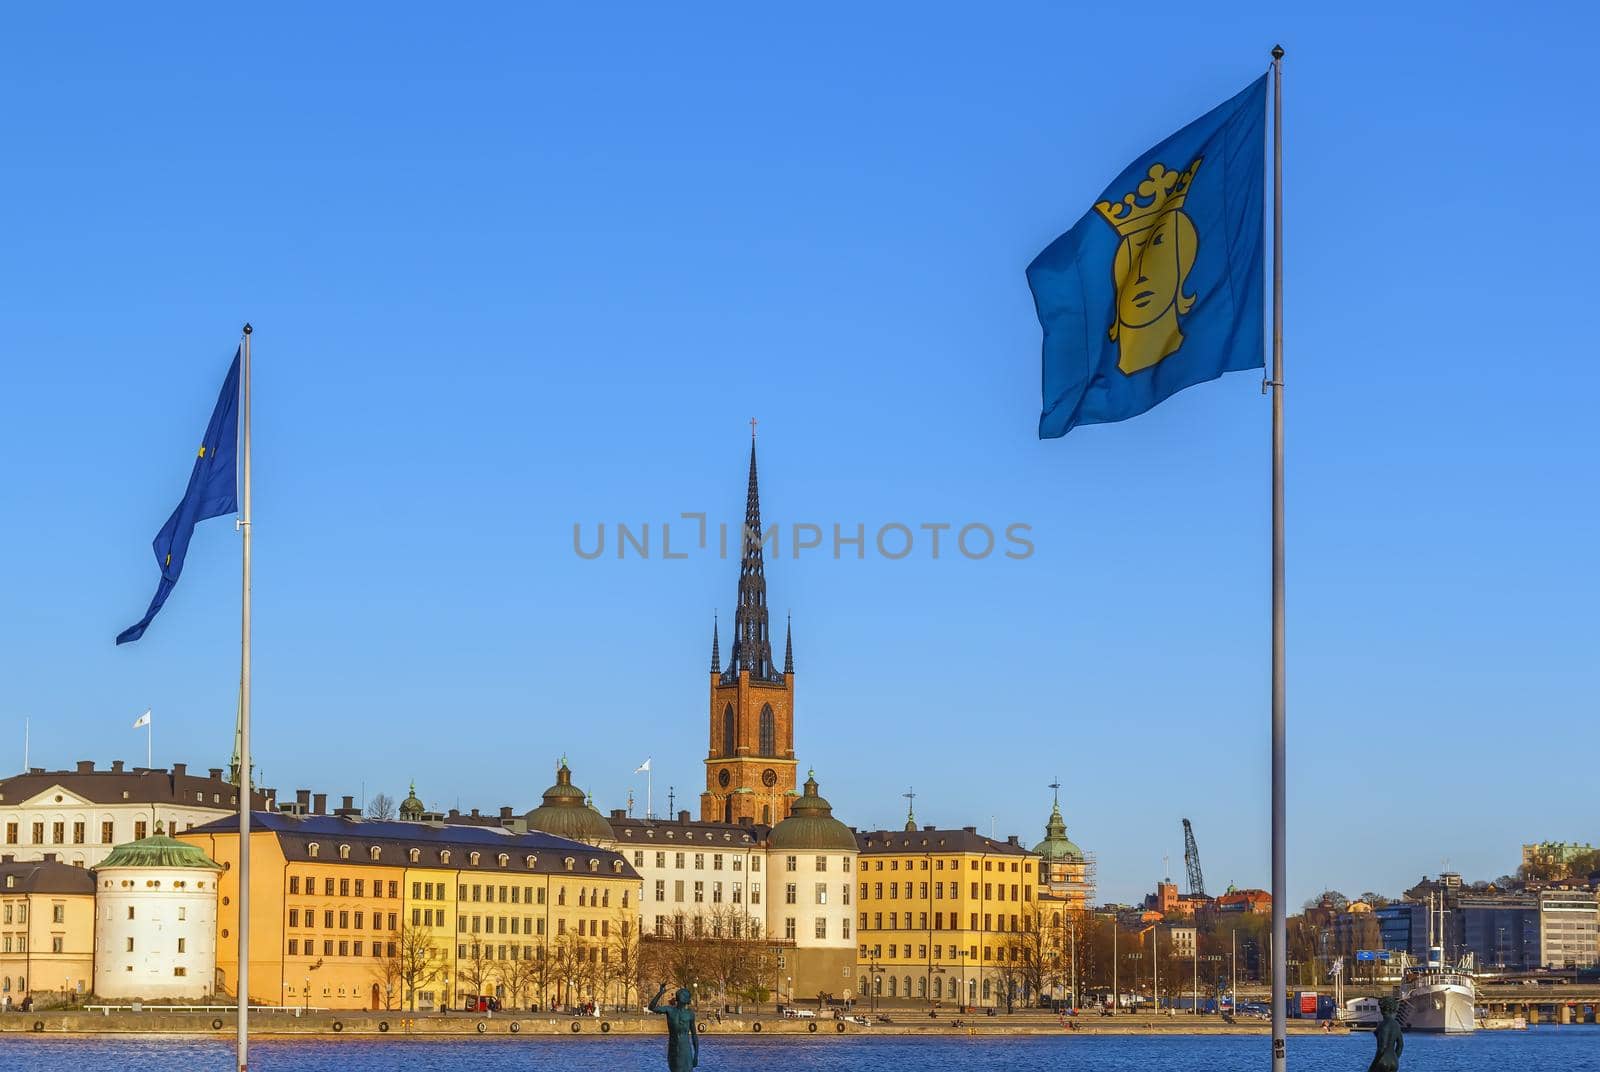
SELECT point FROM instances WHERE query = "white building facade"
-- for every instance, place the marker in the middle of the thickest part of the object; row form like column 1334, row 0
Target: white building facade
column 82, row 814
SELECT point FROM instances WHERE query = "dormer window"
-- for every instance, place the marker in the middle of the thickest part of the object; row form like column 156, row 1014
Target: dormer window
column 505, row 859
column 532, row 861
column 444, row 856
column 414, row 855
column 473, row 856
column 344, row 852
column 313, row 849
column 373, row 853
column 616, row 866
column 594, row 865
column 569, row 862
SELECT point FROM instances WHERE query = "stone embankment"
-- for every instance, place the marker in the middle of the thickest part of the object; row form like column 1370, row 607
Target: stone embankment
column 153, row 1021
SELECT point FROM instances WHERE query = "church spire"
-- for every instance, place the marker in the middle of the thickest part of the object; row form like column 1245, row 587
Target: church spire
column 788, row 644
column 752, row 647
column 716, row 654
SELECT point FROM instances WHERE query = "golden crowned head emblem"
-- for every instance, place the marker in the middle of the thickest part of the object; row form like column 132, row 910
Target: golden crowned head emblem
column 1151, row 266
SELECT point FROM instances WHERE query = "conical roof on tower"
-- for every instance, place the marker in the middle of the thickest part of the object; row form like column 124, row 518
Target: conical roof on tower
column 716, row 653
column 752, row 645
column 788, row 645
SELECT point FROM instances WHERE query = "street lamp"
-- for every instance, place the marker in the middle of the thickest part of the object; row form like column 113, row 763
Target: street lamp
column 444, row 1005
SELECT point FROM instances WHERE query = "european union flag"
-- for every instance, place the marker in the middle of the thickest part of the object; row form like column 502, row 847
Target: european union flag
column 1159, row 286
column 212, row 492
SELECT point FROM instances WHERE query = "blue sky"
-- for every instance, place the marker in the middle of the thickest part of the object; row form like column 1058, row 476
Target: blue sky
column 513, row 270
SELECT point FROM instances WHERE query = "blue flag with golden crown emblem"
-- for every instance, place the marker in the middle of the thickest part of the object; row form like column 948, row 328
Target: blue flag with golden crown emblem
column 1159, row 286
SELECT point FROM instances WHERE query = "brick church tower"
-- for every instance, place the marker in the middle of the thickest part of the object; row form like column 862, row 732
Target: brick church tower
column 750, row 765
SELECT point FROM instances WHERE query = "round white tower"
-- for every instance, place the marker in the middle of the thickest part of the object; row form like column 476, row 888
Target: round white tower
column 811, row 864
column 155, row 933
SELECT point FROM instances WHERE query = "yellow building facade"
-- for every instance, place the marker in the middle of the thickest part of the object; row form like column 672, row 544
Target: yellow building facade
column 938, row 911
column 46, row 931
column 348, row 913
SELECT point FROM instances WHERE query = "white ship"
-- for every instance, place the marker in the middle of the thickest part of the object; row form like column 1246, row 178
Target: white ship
column 1436, row 996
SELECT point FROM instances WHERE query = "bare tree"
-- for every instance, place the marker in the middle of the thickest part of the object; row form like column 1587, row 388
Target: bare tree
column 418, row 960
column 387, row 971
column 623, row 964
column 476, row 969
column 381, row 807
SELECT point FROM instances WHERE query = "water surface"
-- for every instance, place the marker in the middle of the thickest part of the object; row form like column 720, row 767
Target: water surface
column 1548, row 1049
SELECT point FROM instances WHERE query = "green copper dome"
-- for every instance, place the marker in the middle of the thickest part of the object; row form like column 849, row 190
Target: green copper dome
column 565, row 813
column 159, row 851
column 411, row 807
column 1056, row 846
column 811, row 824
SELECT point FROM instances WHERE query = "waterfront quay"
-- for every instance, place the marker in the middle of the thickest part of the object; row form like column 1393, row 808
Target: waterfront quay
column 399, row 1025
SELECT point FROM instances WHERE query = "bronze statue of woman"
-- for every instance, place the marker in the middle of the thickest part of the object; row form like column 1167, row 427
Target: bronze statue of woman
column 683, row 1042
column 1391, row 1039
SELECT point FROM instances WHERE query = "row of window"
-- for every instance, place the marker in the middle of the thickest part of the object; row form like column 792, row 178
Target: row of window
column 943, row 921
column 308, row 918
column 700, row 928
column 58, row 833
column 942, row 987
column 345, row 947
column 680, row 860
column 343, row 887
column 903, row 952
column 1025, row 867
column 991, row 891
column 435, row 891
column 699, row 892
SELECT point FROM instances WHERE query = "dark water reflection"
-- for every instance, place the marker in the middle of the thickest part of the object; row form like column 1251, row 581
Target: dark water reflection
column 1557, row 1049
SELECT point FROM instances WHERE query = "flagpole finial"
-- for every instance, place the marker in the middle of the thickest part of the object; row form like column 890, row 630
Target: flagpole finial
column 1277, row 52
column 248, row 329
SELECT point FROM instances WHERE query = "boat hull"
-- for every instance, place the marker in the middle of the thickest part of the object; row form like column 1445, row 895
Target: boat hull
column 1447, row 1010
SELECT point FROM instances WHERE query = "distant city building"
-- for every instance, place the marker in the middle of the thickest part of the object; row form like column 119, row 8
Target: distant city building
column 46, row 930
column 1253, row 902
column 155, row 931
column 81, row 814
column 1568, row 935
column 1501, row 930
column 1182, row 939
column 1559, row 852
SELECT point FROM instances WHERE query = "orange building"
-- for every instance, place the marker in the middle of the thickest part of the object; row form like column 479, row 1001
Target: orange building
column 750, row 764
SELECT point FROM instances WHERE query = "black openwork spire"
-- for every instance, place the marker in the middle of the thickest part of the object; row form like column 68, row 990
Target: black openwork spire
column 788, row 645
column 716, row 654
column 752, row 647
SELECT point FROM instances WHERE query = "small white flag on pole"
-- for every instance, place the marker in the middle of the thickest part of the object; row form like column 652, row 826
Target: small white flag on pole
column 643, row 768
column 142, row 720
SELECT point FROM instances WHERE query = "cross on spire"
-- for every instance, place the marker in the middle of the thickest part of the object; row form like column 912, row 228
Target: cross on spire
column 1056, row 786
column 911, row 813
column 752, row 429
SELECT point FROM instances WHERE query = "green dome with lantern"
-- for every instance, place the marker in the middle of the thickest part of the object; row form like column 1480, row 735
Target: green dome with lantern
column 811, row 825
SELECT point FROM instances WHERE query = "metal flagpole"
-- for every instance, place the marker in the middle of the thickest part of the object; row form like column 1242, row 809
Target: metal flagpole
column 1280, row 943
column 1116, row 998
column 149, row 743
column 243, row 1049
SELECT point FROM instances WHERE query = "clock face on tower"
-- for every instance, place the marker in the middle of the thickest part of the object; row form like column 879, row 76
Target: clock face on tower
column 769, row 777
column 723, row 778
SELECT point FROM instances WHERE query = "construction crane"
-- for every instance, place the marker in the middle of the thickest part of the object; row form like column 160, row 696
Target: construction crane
column 1191, row 860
